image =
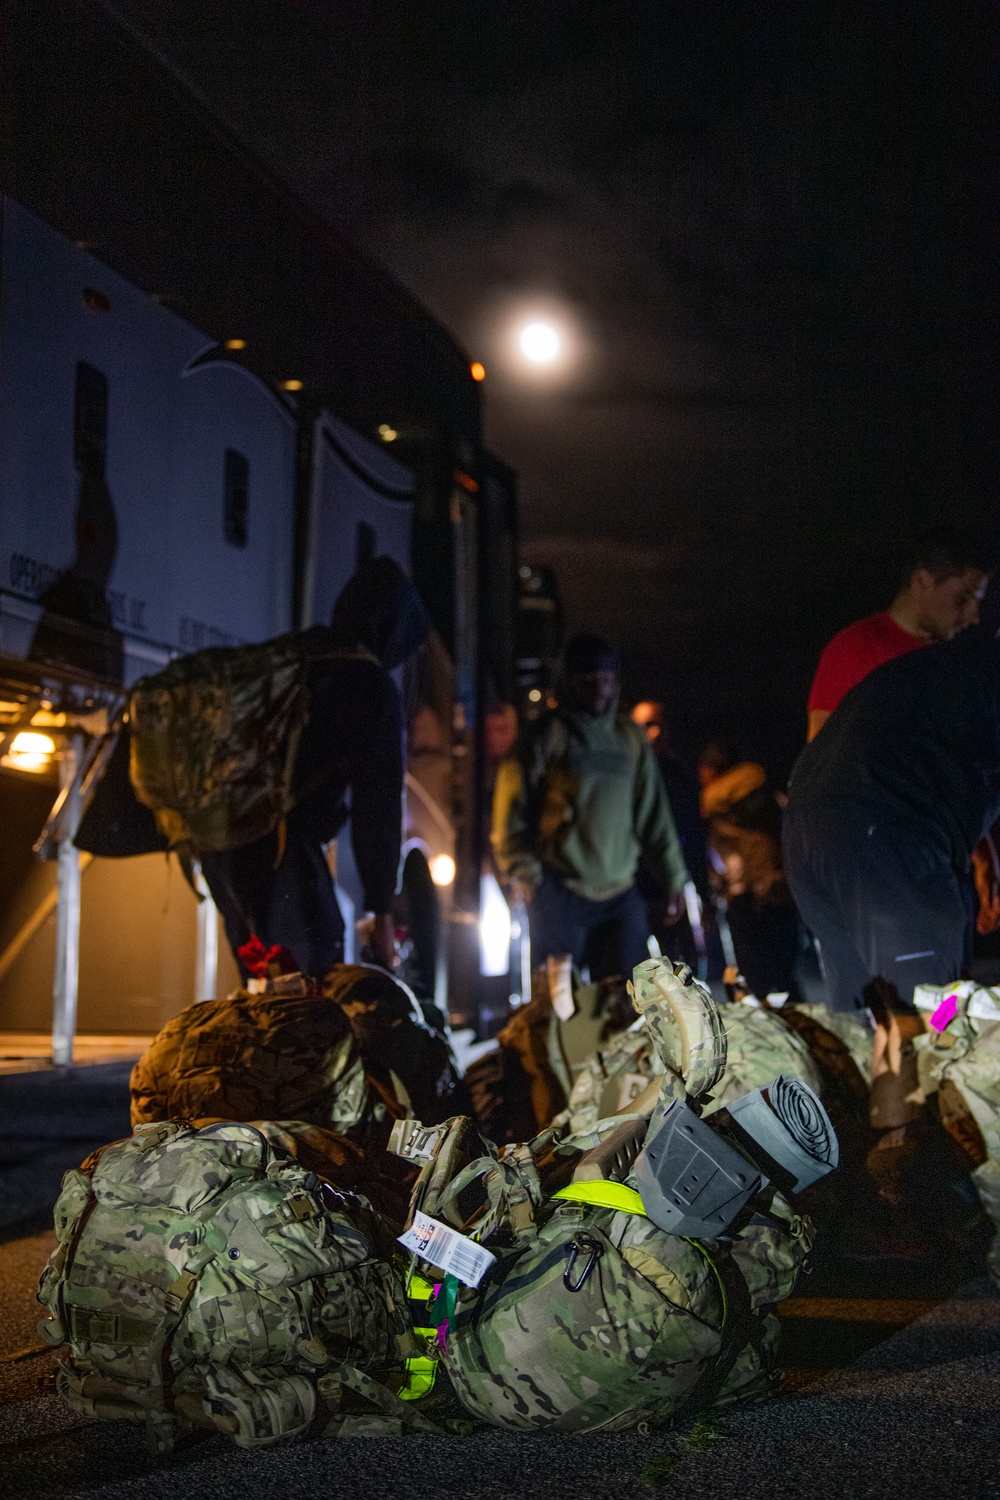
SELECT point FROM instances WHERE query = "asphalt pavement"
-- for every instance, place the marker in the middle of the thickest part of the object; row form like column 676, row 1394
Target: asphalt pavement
column 916, row 1414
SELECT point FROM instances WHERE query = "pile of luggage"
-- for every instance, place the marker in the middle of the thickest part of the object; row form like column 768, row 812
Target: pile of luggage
column 211, row 1273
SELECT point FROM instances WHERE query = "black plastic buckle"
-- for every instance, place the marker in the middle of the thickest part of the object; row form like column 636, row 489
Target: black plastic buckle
column 581, row 1244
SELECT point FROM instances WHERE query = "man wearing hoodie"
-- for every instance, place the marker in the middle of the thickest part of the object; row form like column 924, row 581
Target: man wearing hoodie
column 578, row 807
column 279, row 888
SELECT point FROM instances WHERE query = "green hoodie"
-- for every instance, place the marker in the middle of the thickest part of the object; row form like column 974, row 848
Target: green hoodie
column 582, row 798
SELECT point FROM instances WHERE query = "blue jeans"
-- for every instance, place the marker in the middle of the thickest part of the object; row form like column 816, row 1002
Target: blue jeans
column 609, row 937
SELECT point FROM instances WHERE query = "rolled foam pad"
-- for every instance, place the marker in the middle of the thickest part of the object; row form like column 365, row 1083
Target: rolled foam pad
column 789, row 1122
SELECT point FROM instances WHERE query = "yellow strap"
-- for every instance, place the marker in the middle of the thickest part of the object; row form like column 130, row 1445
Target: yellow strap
column 420, row 1368
column 420, row 1371
column 601, row 1194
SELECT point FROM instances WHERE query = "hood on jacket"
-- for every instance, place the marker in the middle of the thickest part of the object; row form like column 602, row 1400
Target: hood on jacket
column 381, row 610
column 587, row 652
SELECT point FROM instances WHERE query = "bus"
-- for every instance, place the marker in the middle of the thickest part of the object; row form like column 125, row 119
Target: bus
column 212, row 408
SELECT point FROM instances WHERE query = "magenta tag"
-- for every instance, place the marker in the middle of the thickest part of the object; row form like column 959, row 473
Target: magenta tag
column 945, row 1013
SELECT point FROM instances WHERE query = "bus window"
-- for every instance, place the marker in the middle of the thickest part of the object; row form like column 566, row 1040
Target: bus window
column 236, row 487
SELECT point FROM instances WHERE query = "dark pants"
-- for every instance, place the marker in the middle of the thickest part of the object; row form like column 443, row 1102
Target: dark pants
column 766, row 941
column 881, row 901
column 609, row 937
column 294, row 904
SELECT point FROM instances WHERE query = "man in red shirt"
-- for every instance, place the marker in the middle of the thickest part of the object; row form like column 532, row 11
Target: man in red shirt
column 944, row 584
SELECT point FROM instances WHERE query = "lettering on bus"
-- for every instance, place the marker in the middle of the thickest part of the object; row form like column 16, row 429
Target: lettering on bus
column 31, row 579
column 194, row 634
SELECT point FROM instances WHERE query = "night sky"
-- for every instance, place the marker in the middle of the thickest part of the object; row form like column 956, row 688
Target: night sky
column 771, row 231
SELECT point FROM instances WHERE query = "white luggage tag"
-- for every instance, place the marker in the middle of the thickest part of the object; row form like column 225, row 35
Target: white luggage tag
column 983, row 1005
column 942, row 1001
column 451, row 1252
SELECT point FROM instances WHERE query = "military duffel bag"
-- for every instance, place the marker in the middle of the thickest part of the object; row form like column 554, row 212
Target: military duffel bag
column 204, row 1278
column 588, row 1316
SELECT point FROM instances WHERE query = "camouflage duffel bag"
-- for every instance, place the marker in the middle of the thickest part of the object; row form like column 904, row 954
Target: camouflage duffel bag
column 590, row 1318
column 608, row 1322
column 203, row 1278
column 958, row 1066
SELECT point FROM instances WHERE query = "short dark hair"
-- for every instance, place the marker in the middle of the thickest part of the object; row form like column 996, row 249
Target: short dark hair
column 945, row 552
column 718, row 755
column 586, row 652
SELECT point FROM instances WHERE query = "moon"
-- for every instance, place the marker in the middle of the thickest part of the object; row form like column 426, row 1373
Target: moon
column 540, row 343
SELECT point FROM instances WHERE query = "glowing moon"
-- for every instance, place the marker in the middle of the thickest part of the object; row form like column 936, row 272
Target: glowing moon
column 540, row 343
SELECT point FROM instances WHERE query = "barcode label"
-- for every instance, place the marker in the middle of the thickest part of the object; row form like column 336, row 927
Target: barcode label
column 451, row 1252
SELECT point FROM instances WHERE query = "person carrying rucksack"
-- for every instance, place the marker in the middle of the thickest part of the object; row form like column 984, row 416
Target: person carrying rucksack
column 250, row 759
column 279, row 887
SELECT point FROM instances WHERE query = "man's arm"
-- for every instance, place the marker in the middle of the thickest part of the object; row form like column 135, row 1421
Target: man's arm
column 654, row 824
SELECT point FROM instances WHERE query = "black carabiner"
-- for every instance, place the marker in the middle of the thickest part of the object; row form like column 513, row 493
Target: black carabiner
column 581, row 1244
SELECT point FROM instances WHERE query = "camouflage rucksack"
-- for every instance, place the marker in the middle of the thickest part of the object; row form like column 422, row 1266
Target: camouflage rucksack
column 203, row 1278
column 959, row 1067
column 351, row 1060
column 759, row 1046
column 214, row 738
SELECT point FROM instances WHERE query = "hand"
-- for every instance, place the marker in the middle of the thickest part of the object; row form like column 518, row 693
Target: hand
column 675, row 908
column 382, row 939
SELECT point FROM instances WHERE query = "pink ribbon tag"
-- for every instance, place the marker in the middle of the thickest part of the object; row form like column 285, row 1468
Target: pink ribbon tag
column 442, row 1335
column 945, row 1013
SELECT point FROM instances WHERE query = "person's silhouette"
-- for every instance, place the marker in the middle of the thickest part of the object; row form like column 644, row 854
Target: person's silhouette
column 77, row 628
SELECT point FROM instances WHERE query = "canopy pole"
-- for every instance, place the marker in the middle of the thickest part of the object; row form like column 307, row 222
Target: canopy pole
column 67, row 975
column 206, row 965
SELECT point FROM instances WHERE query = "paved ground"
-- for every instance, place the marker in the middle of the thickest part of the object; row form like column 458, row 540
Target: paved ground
column 892, row 1383
column 50, row 1119
column 916, row 1415
column 31, row 1051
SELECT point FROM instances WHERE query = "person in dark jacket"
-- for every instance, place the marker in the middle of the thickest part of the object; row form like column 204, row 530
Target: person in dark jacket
column 885, row 808
column 280, row 888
